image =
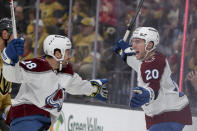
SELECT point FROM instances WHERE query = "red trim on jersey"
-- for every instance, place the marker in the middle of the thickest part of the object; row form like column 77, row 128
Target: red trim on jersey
column 24, row 110
column 41, row 65
column 152, row 70
column 68, row 69
column 183, row 116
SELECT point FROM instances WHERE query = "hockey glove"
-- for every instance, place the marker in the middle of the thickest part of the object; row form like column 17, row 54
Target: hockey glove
column 14, row 49
column 102, row 91
column 125, row 47
column 141, row 96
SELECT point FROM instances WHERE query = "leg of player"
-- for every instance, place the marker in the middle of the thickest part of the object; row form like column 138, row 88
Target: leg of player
column 167, row 126
column 35, row 123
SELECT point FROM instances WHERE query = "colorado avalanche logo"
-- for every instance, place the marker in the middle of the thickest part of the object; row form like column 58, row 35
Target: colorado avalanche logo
column 55, row 100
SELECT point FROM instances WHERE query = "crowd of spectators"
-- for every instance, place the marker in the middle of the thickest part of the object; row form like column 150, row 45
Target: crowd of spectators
column 166, row 16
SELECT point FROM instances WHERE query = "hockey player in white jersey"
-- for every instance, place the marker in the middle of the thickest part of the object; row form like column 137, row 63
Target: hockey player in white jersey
column 166, row 109
column 44, row 81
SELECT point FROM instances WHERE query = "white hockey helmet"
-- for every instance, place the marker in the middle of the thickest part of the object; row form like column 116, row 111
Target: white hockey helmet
column 148, row 34
column 56, row 42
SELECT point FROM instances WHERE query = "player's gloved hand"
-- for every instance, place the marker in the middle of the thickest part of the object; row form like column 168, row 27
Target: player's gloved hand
column 141, row 96
column 102, row 91
column 127, row 50
column 14, row 49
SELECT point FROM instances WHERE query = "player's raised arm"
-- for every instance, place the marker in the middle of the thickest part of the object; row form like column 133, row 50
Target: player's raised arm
column 95, row 88
column 10, row 56
column 127, row 54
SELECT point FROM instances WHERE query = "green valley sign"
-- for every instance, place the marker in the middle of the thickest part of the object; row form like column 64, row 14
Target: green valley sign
column 91, row 124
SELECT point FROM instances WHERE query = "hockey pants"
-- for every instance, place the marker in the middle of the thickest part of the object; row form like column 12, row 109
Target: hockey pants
column 167, row 126
column 30, row 123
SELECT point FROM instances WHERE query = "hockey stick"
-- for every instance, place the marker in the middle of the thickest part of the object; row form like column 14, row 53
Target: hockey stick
column 13, row 19
column 132, row 22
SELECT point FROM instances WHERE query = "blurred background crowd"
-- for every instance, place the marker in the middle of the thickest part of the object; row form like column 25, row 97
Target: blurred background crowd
column 94, row 26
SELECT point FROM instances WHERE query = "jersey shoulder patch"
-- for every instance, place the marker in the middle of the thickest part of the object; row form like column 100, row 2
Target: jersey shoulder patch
column 68, row 69
column 35, row 65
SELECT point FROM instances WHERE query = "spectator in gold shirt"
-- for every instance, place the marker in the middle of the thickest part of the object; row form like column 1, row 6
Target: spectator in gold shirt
column 48, row 9
column 84, row 46
column 42, row 34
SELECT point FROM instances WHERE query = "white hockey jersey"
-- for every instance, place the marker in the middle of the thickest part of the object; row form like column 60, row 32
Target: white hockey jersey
column 168, row 105
column 43, row 87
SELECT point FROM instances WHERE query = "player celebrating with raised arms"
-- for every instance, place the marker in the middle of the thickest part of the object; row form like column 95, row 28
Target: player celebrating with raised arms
column 44, row 81
column 157, row 93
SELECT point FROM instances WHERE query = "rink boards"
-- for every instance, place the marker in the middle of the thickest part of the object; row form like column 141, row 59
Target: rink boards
column 78, row 117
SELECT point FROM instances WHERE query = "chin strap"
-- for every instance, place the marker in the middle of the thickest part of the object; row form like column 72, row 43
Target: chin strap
column 60, row 63
column 147, row 51
column 143, row 59
column 60, row 67
column 6, row 42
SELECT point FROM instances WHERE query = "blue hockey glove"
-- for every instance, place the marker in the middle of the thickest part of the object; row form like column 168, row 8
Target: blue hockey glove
column 14, row 49
column 127, row 50
column 102, row 91
column 141, row 96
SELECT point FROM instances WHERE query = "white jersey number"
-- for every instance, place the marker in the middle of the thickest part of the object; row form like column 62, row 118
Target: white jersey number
column 29, row 64
column 152, row 74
